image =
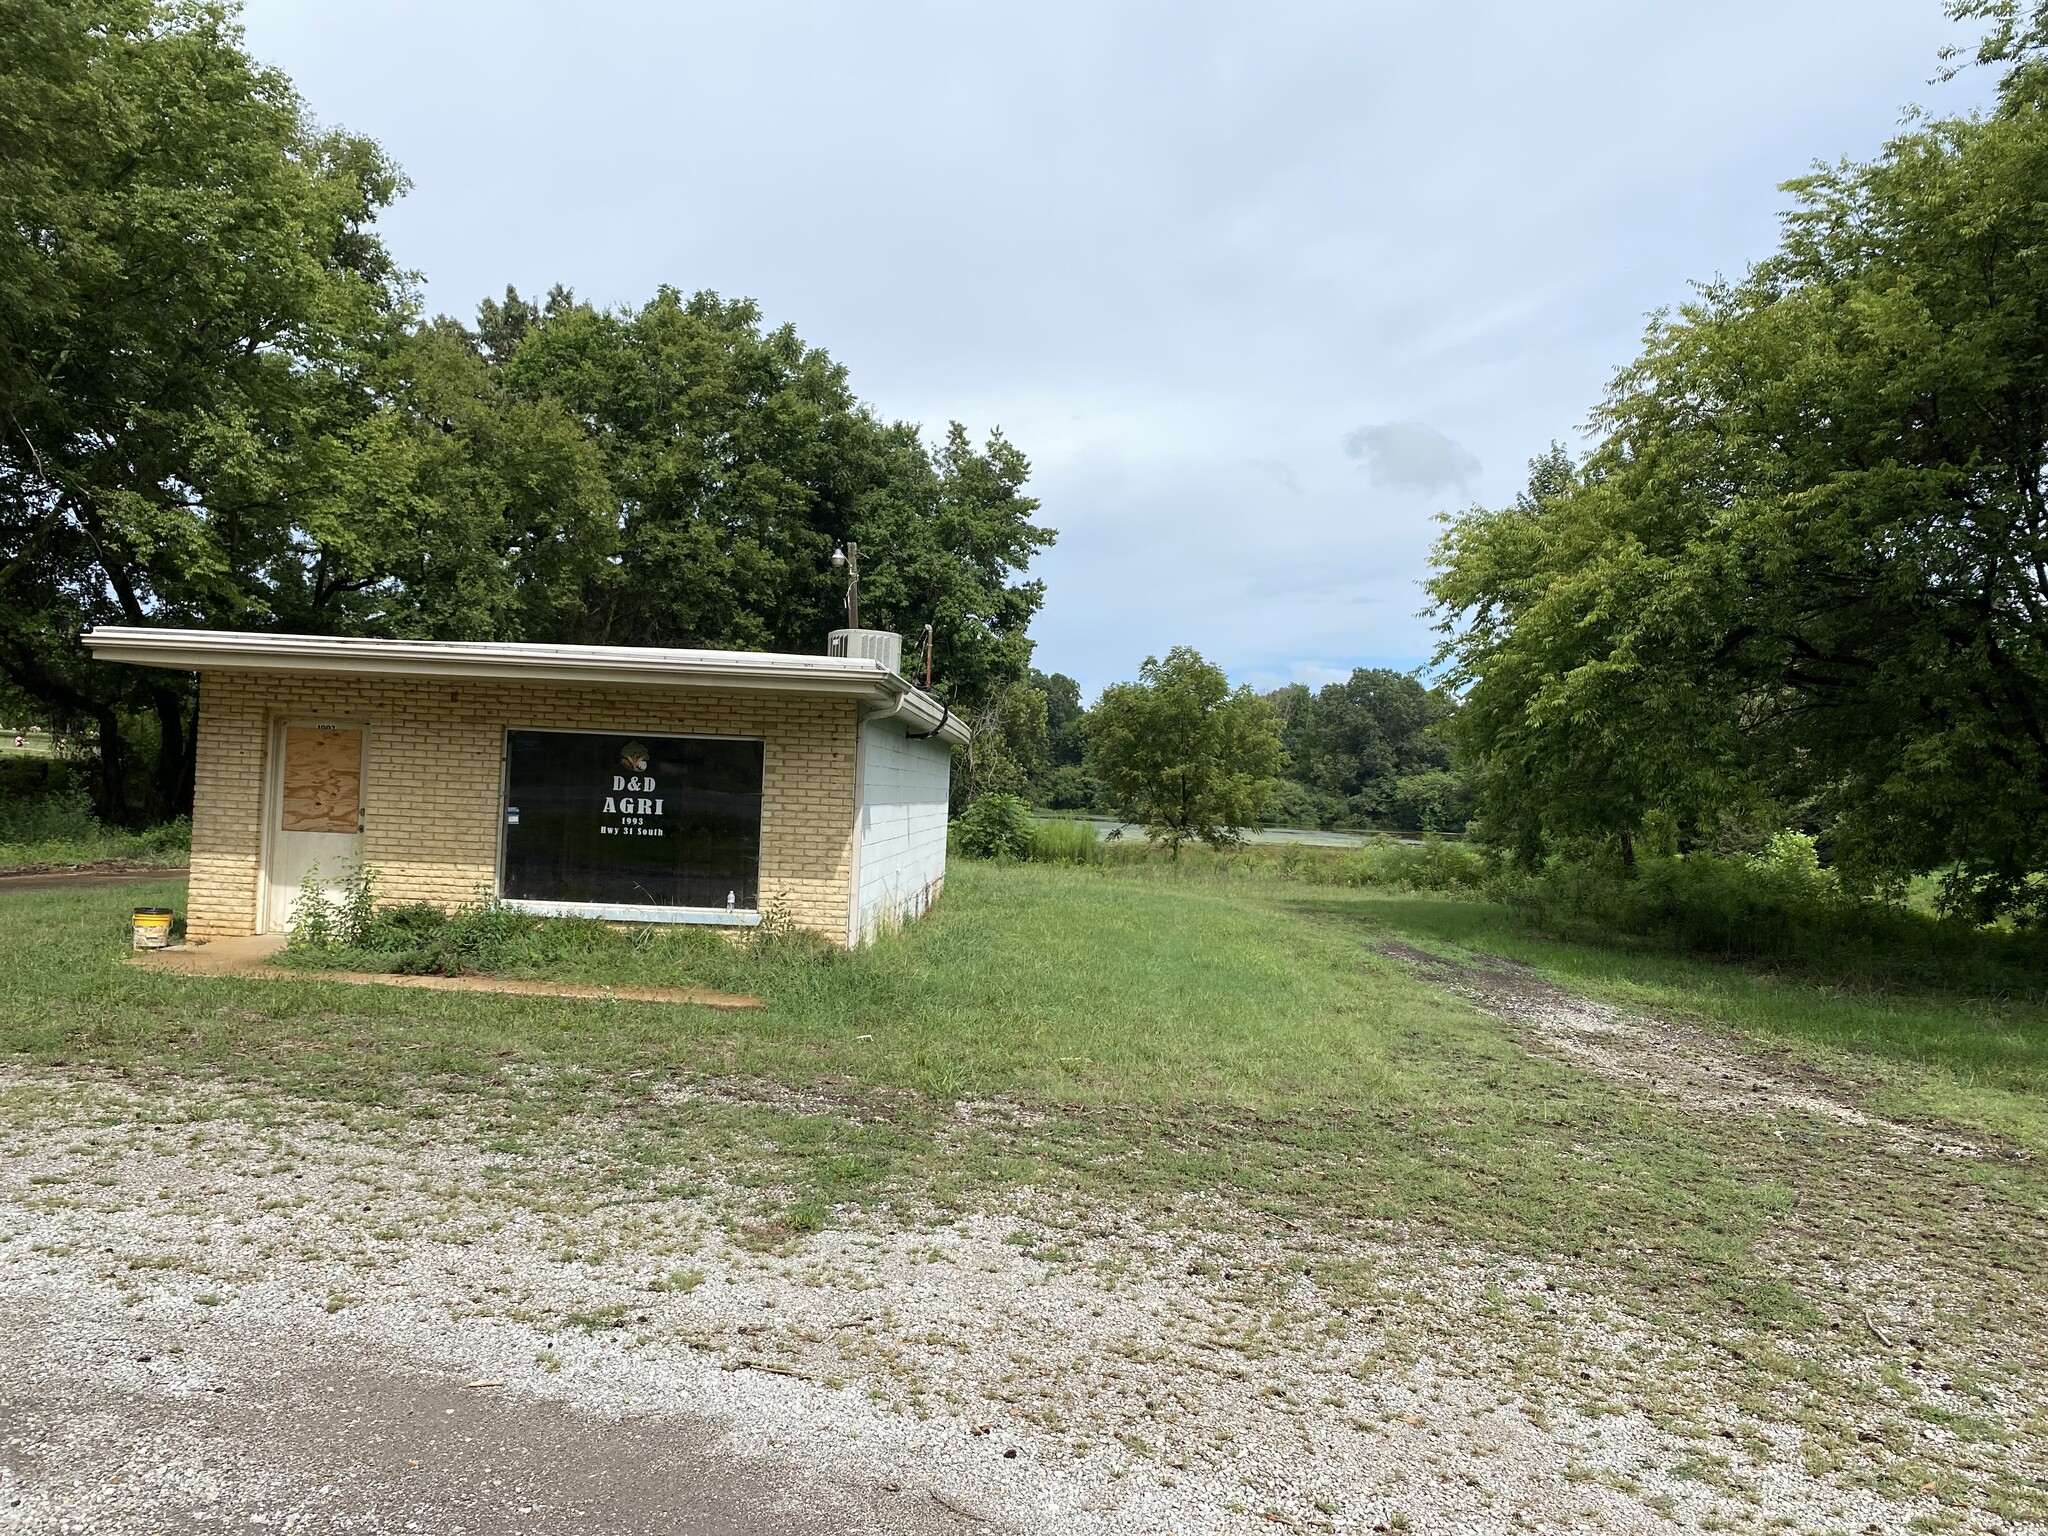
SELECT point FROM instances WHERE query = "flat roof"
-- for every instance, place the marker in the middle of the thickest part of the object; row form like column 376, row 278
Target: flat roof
column 221, row 650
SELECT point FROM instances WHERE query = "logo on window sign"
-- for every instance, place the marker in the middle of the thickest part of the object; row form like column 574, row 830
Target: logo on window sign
column 632, row 799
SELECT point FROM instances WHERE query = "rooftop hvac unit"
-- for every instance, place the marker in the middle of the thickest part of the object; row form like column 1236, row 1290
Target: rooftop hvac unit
column 868, row 645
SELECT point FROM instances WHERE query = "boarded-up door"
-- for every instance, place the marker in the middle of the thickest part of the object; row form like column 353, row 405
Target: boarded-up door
column 318, row 805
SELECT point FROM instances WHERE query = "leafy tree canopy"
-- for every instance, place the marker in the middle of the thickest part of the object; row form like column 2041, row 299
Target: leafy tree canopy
column 739, row 459
column 1803, row 574
column 215, row 408
column 1361, row 749
column 1183, row 753
column 188, row 296
column 1066, row 718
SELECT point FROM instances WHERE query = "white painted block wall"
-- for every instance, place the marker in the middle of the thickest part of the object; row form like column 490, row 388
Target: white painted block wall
column 902, row 827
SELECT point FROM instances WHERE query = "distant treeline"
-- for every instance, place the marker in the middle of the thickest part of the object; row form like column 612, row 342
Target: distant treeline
column 1367, row 752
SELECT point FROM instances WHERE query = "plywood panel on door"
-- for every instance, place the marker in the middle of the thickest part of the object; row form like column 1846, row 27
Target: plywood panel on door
column 323, row 779
column 316, row 838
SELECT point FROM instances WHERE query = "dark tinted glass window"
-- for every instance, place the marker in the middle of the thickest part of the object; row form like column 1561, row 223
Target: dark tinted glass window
column 661, row 821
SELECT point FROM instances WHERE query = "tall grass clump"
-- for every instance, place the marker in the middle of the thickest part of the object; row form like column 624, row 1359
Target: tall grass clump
column 1063, row 842
column 1382, row 863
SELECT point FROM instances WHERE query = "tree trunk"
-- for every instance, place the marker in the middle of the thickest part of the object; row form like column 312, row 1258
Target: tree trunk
column 177, row 754
column 113, row 796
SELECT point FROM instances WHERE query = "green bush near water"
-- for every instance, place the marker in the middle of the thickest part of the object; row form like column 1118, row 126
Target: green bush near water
column 995, row 826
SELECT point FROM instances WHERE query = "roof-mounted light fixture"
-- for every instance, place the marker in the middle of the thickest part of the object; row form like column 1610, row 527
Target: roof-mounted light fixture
column 847, row 558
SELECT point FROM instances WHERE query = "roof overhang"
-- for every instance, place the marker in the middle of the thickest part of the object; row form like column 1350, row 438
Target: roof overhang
column 219, row 650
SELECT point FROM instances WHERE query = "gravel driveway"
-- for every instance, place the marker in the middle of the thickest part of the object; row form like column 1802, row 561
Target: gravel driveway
column 224, row 1309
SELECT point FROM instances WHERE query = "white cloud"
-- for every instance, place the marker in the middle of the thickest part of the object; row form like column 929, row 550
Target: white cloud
column 1282, row 474
column 1411, row 455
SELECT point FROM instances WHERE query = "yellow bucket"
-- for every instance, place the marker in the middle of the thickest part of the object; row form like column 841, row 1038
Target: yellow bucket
column 152, row 927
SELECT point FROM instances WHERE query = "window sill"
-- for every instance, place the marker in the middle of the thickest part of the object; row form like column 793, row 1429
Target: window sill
column 717, row 917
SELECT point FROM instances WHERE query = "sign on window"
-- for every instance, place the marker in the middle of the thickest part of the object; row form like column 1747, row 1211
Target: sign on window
column 632, row 820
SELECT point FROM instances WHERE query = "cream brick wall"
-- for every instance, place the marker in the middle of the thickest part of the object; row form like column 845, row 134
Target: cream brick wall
column 432, row 797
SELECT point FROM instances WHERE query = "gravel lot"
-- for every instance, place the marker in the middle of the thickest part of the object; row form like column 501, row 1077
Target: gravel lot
column 226, row 1309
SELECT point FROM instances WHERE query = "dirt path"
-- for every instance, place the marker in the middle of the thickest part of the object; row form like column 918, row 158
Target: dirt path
column 253, row 958
column 1702, row 1071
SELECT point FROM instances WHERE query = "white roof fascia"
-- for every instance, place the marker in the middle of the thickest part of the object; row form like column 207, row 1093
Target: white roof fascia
column 217, row 650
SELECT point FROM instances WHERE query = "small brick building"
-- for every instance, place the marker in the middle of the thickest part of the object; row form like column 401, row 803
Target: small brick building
column 628, row 784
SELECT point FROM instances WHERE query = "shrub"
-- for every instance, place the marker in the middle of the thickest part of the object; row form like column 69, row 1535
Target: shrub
column 1781, row 904
column 60, row 814
column 344, row 929
column 168, row 838
column 1381, row 863
column 404, row 926
column 1769, row 903
column 336, row 915
column 995, row 827
column 1430, row 865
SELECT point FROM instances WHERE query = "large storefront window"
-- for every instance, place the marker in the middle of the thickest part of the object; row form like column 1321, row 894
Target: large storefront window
column 644, row 821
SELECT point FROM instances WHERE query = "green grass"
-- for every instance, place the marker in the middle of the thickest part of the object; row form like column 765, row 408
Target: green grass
column 1037, row 982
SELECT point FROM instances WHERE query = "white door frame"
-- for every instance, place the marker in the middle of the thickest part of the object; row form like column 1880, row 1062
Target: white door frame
column 273, row 799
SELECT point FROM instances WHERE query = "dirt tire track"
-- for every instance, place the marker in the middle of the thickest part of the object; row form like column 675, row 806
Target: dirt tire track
column 1707, row 1072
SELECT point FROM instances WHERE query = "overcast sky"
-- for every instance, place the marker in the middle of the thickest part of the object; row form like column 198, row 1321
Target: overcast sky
column 1259, row 288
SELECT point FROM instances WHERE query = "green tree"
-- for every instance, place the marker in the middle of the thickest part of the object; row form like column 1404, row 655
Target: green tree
column 1350, row 745
column 1804, row 571
column 188, row 283
column 1062, row 780
column 1183, row 753
column 487, row 514
column 739, row 457
column 219, row 407
column 1066, row 718
column 1007, row 747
